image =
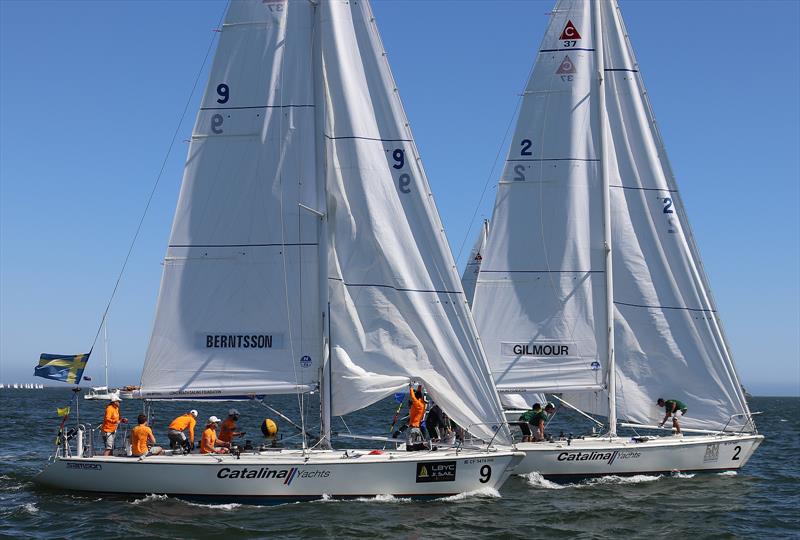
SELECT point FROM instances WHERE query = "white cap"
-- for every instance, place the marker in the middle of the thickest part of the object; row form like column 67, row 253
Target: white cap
column 213, row 420
column 233, row 412
column 193, row 413
column 114, row 397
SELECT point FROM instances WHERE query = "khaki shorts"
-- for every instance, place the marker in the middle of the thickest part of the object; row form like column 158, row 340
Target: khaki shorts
column 108, row 440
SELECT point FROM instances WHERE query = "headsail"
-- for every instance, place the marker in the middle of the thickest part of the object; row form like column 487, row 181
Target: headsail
column 668, row 337
column 470, row 276
column 238, row 311
column 397, row 307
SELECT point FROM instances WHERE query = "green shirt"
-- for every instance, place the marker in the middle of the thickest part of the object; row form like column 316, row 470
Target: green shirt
column 679, row 405
column 533, row 417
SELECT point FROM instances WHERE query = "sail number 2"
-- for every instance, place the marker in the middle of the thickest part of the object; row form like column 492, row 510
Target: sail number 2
column 667, row 206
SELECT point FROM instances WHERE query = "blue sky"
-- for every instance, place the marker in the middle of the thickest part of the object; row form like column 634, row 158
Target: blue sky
column 91, row 92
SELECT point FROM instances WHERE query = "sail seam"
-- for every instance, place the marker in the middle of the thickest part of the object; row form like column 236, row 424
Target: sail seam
column 399, row 289
column 543, row 271
column 366, row 138
column 555, row 159
column 643, row 188
column 241, row 245
column 567, row 49
column 254, row 107
column 666, row 307
column 622, row 69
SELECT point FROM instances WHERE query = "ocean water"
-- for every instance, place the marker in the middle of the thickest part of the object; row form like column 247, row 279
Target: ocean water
column 761, row 501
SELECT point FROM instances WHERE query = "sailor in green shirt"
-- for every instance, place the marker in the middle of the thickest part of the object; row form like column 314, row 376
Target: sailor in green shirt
column 675, row 408
column 535, row 418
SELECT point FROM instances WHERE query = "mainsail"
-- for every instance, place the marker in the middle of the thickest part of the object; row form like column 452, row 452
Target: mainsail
column 542, row 279
column 303, row 166
column 470, row 276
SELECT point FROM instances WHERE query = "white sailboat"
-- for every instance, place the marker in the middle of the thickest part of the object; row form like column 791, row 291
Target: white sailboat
column 591, row 284
column 104, row 392
column 306, row 254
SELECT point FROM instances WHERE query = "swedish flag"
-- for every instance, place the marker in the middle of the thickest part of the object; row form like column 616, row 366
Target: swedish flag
column 60, row 367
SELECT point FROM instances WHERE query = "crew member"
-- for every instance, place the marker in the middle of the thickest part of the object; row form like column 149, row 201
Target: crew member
column 528, row 419
column 111, row 421
column 674, row 408
column 209, row 444
column 141, row 435
column 414, row 437
column 177, row 437
column 227, row 430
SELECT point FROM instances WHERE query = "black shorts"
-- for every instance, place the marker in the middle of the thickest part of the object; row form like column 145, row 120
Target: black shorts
column 526, row 428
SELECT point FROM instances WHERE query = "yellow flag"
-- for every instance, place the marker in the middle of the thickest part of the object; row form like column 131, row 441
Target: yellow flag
column 62, row 411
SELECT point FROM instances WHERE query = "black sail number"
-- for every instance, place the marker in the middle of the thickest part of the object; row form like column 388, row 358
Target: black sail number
column 404, row 180
column 399, row 158
column 526, row 147
column 216, row 123
column 486, row 474
column 224, row 93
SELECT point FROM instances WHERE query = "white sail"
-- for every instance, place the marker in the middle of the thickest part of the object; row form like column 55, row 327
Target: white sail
column 539, row 301
column 398, row 311
column 470, row 276
column 238, row 311
column 668, row 337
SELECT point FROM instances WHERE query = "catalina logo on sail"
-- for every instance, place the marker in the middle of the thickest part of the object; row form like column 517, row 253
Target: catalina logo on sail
column 570, row 32
column 537, row 349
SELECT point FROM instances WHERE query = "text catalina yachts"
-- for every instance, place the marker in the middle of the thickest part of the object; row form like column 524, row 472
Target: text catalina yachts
column 266, row 472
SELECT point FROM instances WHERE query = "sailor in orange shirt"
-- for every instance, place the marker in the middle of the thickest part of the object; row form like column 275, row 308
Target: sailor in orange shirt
column 417, row 409
column 227, row 431
column 140, row 436
column 110, row 422
column 209, row 443
column 177, row 437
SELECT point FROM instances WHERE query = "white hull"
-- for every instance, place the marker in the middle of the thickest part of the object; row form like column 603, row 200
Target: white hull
column 625, row 456
column 102, row 393
column 282, row 476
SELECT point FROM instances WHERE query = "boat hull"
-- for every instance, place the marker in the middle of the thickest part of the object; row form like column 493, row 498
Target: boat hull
column 581, row 458
column 274, row 477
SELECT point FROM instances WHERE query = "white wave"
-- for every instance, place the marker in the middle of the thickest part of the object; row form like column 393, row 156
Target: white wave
column 678, row 474
column 226, row 507
column 487, row 492
column 727, row 473
column 614, row 479
column 784, row 420
column 537, row 480
column 150, row 498
column 30, row 508
column 383, row 499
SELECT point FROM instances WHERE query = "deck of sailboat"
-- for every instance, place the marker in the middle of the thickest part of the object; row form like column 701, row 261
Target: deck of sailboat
column 627, row 443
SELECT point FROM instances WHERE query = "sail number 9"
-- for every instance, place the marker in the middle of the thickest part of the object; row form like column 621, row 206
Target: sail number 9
column 224, row 93
column 404, row 180
column 486, row 474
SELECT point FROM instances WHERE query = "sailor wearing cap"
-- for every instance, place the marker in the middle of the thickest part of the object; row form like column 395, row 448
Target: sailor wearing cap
column 177, row 437
column 111, row 421
column 209, row 443
column 227, row 430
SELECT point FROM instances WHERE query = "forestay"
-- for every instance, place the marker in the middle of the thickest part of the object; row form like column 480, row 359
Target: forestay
column 668, row 337
column 397, row 308
column 238, row 310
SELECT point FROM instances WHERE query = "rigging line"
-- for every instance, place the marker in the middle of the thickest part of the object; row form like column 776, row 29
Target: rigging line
column 158, row 177
column 488, row 179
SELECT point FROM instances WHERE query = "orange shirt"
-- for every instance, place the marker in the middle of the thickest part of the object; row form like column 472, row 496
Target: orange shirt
column 139, row 437
column 182, row 422
column 227, row 429
column 417, row 410
column 111, row 419
column 208, row 440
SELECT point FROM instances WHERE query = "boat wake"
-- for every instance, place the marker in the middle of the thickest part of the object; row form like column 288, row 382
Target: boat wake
column 150, row 498
column 386, row 498
column 224, row 507
column 622, row 480
column 536, row 480
column 727, row 473
column 483, row 493
column 30, row 508
column 681, row 475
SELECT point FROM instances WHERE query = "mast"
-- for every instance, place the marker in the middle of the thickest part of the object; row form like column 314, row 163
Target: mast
column 597, row 23
column 322, row 214
column 105, row 347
